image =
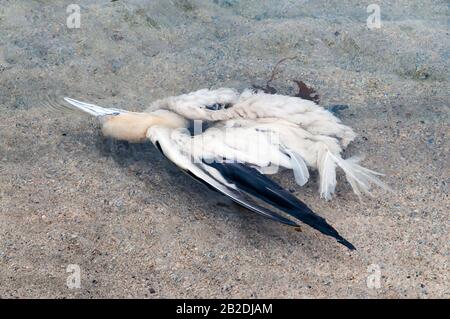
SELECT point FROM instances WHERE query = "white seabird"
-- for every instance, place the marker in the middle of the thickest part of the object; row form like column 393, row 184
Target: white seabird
column 249, row 136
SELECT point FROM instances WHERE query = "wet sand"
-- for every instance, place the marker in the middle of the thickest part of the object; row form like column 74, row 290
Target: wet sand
column 138, row 228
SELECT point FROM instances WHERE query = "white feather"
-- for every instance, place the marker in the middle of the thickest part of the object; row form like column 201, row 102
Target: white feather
column 327, row 172
column 360, row 178
column 301, row 173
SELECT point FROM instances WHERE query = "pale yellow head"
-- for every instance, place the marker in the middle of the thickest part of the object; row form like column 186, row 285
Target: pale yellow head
column 132, row 127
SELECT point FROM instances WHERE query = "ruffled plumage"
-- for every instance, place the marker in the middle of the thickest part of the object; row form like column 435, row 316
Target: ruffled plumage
column 306, row 135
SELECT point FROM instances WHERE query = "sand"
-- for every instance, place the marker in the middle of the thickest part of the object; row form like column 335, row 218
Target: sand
column 136, row 227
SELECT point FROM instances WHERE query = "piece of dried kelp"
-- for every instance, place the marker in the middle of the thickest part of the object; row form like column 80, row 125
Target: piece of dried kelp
column 306, row 92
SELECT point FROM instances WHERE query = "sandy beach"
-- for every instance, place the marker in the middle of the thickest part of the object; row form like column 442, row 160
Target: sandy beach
column 138, row 228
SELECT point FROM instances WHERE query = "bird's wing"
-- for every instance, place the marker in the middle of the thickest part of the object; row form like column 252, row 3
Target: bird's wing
column 235, row 179
column 240, row 144
column 93, row 109
column 270, row 143
column 251, row 181
column 265, row 145
column 161, row 137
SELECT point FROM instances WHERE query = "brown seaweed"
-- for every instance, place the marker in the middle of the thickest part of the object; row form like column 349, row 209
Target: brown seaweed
column 304, row 91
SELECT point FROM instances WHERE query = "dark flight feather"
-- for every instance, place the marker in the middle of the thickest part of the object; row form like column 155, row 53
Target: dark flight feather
column 254, row 183
column 244, row 202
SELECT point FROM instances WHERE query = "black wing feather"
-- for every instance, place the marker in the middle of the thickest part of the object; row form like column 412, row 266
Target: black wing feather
column 251, row 181
column 239, row 199
column 254, row 183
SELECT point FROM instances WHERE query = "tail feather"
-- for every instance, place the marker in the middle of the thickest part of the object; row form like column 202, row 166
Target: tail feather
column 360, row 178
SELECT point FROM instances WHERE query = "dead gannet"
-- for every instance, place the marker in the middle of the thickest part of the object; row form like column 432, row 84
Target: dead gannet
column 249, row 136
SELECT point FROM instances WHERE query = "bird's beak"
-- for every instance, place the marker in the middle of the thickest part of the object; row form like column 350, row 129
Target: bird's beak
column 125, row 125
column 117, row 123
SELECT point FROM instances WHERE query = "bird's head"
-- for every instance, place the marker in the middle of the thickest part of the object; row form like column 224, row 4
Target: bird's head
column 133, row 126
column 126, row 125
